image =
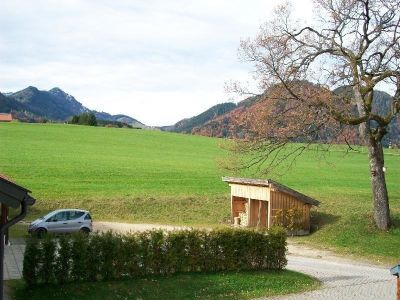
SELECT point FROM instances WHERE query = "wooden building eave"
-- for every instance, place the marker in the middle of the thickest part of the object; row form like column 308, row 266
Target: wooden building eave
column 273, row 185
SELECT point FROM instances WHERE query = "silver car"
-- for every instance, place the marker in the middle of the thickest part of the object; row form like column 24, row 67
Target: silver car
column 62, row 221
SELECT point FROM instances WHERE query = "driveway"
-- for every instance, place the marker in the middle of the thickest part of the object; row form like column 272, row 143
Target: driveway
column 342, row 278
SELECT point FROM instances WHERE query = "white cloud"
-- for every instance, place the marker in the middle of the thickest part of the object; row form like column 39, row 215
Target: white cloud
column 156, row 60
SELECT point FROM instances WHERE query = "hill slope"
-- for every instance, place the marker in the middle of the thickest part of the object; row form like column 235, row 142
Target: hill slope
column 190, row 125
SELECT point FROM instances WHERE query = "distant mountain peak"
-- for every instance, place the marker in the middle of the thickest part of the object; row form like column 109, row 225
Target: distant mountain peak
column 60, row 93
column 56, row 90
column 30, row 89
column 33, row 88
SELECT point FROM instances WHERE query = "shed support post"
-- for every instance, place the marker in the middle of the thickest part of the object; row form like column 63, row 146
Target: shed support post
column 259, row 214
column 231, row 209
column 249, row 220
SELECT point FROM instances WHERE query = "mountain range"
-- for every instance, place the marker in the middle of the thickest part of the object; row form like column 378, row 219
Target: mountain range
column 218, row 121
column 32, row 104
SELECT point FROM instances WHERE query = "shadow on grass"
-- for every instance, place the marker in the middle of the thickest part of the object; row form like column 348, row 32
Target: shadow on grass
column 395, row 226
column 320, row 219
column 395, row 221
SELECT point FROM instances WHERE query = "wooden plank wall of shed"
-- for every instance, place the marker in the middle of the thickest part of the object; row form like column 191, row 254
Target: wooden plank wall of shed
column 257, row 208
column 280, row 200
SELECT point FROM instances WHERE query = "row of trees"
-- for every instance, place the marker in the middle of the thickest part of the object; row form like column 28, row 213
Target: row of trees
column 86, row 118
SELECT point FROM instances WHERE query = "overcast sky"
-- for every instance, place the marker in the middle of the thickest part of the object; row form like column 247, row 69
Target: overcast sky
column 158, row 61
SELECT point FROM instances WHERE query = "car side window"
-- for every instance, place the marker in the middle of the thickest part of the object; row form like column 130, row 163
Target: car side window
column 61, row 216
column 73, row 214
column 88, row 217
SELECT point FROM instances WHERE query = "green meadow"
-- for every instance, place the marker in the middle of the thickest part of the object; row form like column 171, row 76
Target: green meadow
column 157, row 177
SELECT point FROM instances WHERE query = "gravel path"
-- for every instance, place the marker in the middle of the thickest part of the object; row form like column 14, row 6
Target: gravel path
column 126, row 227
column 342, row 278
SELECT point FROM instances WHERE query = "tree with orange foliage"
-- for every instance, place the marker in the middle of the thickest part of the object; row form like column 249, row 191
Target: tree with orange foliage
column 352, row 44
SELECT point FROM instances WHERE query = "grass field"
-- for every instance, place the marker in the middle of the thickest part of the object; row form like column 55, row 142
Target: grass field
column 241, row 285
column 149, row 176
column 119, row 174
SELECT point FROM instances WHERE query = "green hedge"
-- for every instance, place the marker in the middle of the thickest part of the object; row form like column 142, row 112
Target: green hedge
column 109, row 256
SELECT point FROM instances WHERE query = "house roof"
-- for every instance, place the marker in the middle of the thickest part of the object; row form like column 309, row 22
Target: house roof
column 13, row 194
column 272, row 184
column 5, row 117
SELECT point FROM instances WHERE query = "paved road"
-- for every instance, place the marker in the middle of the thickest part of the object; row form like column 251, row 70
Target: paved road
column 341, row 278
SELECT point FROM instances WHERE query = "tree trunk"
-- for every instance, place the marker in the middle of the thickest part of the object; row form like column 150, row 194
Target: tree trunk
column 379, row 190
column 376, row 163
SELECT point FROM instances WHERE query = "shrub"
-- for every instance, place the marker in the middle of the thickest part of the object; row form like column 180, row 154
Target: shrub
column 31, row 262
column 92, row 261
column 156, row 252
column 131, row 252
column 291, row 219
column 79, row 245
column 108, row 256
column 109, row 253
column 63, row 260
column 47, row 259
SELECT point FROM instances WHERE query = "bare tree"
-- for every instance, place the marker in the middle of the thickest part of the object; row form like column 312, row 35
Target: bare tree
column 353, row 43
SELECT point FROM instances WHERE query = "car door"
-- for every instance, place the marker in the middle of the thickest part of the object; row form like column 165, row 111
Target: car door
column 75, row 220
column 57, row 222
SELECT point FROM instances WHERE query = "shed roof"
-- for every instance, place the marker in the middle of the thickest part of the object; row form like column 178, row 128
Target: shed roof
column 5, row 117
column 272, row 184
column 13, row 194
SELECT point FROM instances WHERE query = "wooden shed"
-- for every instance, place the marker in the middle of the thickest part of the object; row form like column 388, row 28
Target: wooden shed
column 258, row 202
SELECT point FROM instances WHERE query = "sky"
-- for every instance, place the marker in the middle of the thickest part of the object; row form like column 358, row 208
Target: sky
column 155, row 60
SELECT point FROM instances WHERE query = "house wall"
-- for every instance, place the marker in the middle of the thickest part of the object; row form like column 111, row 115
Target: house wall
column 280, row 200
column 6, row 118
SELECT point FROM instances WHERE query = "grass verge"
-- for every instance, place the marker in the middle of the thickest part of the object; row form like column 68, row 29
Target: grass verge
column 232, row 285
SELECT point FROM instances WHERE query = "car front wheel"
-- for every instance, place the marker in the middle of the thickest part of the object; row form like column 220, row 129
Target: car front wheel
column 85, row 230
column 40, row 232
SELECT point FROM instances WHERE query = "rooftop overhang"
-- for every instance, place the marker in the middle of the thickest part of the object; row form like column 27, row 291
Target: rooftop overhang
column 273, row 185
column 12, row 194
